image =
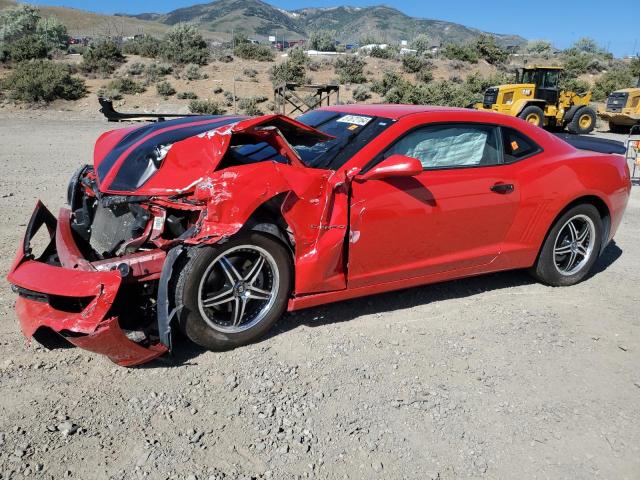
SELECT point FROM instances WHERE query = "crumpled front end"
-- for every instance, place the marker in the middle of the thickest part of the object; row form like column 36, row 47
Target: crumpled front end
column 103, row 281
column 76, row 301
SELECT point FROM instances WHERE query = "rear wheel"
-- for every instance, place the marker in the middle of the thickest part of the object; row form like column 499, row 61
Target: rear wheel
column 571, row 248
column 533, row 114
column 583, row 122
column 233, row 293
column 615, row 128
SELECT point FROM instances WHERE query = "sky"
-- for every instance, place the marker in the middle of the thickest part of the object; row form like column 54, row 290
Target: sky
column 613, row 25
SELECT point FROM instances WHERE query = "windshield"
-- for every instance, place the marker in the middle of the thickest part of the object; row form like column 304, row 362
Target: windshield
column 351, row 132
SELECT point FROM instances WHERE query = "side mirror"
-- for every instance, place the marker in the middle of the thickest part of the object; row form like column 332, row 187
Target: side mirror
column 393, row 166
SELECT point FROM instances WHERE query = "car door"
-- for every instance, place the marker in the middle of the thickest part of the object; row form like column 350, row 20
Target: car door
column 454, row 215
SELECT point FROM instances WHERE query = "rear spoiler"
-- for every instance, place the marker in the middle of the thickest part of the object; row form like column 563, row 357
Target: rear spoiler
column 593, row 144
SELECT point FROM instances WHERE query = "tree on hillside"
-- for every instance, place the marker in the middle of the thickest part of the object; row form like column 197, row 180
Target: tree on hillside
column 323, row 41
column 587, row 45
column 183, row 44
column 489, row 50
column 539, row 47
column 17, row 22
column 23, row 32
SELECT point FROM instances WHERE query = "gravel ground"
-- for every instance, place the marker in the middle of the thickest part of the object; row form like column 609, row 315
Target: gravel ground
column 490, row 377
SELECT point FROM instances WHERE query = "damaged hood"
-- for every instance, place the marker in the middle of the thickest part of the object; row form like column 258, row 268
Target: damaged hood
column 168, row 158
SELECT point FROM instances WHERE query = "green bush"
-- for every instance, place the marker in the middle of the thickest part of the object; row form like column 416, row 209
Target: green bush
column 424, row 76
column 26, row 35
column 183, row 44
column 27, row 48
column 187, row 96
column 389, row 80
column 323, row 41
column 18, row 21
column 102, row 57
column 378, row 52
column 126, row 86
column 488, row 49
column 144, row 46
column 350, row 69
column 249, row 106
column 614, row 79
column 165, row 89
column 42, row 80
column 575, row 85
column 229, row 98
column 422, row 43
column 465, row 53
column 634, row 67
column 289, row 71
column 361, row 93
column 136, row 69
column 53, row 33
column 447, row 93
column 156, row 71
column 585, row 56
column 414, row 63
column 192, row 72
column 252, row 51
column 250, row 72
column 206, row 107
column 539, row 47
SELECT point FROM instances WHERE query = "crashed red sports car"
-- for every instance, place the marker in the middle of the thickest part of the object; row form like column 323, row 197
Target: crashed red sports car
column 217, row 225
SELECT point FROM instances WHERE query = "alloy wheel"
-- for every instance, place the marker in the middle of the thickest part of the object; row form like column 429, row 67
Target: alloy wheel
column 238, row 289
column 574, row 245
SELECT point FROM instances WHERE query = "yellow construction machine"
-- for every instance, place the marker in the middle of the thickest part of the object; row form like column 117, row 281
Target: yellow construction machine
column 622, row 109
column 537, row 98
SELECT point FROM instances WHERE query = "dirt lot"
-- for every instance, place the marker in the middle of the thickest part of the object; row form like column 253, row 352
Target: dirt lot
column 492, row 377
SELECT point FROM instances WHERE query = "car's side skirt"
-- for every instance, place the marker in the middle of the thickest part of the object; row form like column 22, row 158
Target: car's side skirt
column 306, row 301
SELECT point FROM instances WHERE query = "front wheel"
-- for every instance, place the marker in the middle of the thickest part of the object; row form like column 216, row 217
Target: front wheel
column 231, row 294
column 571, row 247
column 583, row 122
column 533, row 115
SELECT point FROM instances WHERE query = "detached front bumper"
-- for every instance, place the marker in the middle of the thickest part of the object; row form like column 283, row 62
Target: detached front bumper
column 75, row 300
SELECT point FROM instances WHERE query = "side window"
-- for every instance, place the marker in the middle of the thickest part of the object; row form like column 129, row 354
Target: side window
column 450, row 146
column 516, row 146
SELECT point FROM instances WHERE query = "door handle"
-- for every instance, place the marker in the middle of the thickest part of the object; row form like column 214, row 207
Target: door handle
column 503, row 188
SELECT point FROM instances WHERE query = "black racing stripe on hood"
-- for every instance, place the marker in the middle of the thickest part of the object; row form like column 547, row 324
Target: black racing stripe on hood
column 129, row 174
column 177, row 134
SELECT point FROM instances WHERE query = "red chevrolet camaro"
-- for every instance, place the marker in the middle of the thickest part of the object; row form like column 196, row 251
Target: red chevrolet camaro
column 218, row 225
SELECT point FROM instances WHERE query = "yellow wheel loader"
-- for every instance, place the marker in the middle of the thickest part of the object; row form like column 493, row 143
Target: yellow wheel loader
column 537, row 98
column 622, row 109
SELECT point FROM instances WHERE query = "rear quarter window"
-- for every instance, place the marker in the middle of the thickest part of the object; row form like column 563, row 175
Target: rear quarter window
column 517, row 146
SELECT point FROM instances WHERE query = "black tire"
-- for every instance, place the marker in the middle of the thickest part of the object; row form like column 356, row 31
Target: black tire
column 546, row 270
column 533, row 114
column 583, row 122
column 187, row 290
column 615, row 128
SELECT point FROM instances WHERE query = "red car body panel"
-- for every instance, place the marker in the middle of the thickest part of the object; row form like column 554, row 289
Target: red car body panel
column 350, row 237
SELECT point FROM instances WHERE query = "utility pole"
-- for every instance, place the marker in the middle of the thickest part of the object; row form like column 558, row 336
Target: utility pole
column 233, row 42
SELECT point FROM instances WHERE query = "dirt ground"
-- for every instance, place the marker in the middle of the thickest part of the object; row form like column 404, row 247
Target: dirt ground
column 490, row 377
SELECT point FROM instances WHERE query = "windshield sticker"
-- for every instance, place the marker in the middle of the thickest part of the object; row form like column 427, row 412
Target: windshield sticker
column 352, row 127
column 354, row 119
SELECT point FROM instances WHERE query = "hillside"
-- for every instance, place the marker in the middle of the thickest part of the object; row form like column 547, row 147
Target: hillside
column 81, row 22
column 251, row 17
column 259, row 19
column 389, row 24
